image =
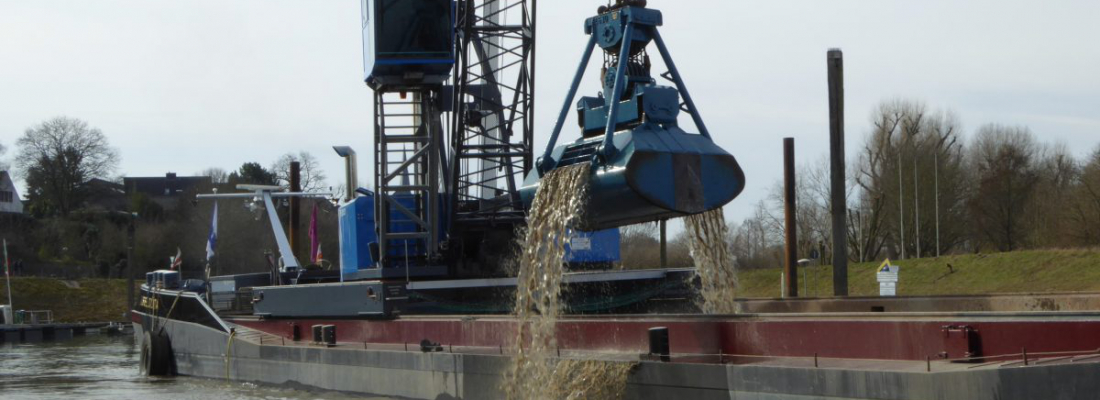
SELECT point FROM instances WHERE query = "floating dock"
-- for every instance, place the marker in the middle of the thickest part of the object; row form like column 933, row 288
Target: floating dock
column 40, row 332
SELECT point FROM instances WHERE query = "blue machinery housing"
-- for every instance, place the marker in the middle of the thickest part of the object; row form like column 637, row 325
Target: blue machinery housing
column 407, row 42
column 359, row 245
column 644, row 166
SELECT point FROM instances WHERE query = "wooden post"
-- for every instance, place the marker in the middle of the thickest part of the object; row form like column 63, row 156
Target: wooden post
column 790, row 267
column 130, row 266
column 835, row 61
column 295, row 215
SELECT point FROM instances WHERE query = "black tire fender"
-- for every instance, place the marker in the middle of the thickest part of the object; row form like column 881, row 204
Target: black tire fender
column 156, row 355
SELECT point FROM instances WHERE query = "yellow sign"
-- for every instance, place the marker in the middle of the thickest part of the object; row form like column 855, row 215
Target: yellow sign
column 885, row 266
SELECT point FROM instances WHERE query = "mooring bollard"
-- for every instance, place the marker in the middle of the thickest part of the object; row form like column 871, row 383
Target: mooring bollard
column 329, row 335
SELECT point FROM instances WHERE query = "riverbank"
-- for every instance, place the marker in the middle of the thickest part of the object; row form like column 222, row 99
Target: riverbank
column 1032, row 271
column 83, row 300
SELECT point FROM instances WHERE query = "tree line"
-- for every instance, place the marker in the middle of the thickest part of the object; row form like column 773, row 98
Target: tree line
column 920, row 187
column 59, row 161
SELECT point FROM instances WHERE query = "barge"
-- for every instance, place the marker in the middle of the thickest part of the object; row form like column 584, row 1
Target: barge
column 1028, row 353
column 418, row 307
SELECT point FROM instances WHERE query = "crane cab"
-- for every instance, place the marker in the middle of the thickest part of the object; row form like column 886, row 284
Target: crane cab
column 407, row 43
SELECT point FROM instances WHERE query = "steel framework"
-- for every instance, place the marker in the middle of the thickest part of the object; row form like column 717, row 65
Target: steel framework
column 492, row 122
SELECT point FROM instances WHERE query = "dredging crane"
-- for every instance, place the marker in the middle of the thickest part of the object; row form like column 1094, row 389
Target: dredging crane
column 644, row 166
column 454, row 166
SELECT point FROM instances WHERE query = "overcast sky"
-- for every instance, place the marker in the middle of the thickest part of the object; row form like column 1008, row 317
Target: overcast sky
column 185, row 85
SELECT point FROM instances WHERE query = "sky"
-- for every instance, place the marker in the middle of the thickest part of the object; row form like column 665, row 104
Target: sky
column 186, row 85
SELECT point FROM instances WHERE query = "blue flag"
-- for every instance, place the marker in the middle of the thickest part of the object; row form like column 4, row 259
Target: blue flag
column 212, row 241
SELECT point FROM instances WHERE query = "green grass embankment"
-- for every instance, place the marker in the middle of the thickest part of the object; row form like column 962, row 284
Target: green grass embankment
column 89, row 300
column 1032, row 271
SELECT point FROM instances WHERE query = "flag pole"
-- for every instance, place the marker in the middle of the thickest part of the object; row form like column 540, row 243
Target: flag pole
column 7, row 272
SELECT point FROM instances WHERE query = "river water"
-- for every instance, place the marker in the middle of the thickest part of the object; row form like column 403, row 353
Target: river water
column 106, row 367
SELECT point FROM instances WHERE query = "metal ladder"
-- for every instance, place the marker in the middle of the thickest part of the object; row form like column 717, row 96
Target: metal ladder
column 407, row 141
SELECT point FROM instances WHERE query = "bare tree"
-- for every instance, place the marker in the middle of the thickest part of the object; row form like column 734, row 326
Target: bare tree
column 1085, row 209
column 812, row 208
column 1004, row 159
column 3, row 165
column 217, row 175
column 57, row 157
column 640, row 247
column 312, row 177
column 756, row 243
column 1049, row 219
column 912, row 183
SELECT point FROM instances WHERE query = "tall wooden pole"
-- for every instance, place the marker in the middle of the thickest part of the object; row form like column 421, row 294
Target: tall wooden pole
column 839, row 200
column 130, row 230
column 790, row 267
column 295, row 215
column 7, row 275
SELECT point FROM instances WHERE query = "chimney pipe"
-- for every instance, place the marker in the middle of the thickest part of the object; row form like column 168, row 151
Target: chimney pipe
column 351, row 168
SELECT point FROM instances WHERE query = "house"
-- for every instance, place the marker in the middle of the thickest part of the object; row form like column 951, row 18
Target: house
column 9, row 197
column 165, row 190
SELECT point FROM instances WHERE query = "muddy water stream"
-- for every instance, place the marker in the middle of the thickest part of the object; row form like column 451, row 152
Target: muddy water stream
column 535, row 371
column 714, row 265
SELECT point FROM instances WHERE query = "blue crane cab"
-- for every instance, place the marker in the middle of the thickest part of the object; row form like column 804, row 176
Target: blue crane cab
column 407, row 43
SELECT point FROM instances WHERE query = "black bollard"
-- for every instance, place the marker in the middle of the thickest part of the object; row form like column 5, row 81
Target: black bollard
column 658, row 343
column 295, row 332
column 329, row 333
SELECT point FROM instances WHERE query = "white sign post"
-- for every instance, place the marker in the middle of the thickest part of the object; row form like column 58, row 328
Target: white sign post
column 888, row 279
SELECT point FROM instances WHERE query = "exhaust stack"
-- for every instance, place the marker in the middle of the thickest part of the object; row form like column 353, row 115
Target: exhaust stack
column 351, row 168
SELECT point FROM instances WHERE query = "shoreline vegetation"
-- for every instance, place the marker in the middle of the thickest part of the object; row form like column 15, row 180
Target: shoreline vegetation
column 1030, row 271
column 81, row 300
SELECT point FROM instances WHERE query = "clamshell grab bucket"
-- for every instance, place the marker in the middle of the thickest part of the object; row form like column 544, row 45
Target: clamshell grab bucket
column 658, row 174
column 644, row 166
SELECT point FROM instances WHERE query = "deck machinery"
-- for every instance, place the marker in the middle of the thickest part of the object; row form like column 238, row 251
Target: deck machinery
column 453, row 87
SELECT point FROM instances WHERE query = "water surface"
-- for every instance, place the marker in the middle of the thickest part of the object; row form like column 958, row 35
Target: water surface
column 106, row 367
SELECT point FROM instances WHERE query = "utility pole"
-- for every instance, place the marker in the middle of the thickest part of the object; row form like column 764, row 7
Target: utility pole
column 790, row 267
column 835, row 61
column 7, row 274
column 130, row 265
column 916, row 201
column 901, row 204
column 936, row 160
column 862, row 240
